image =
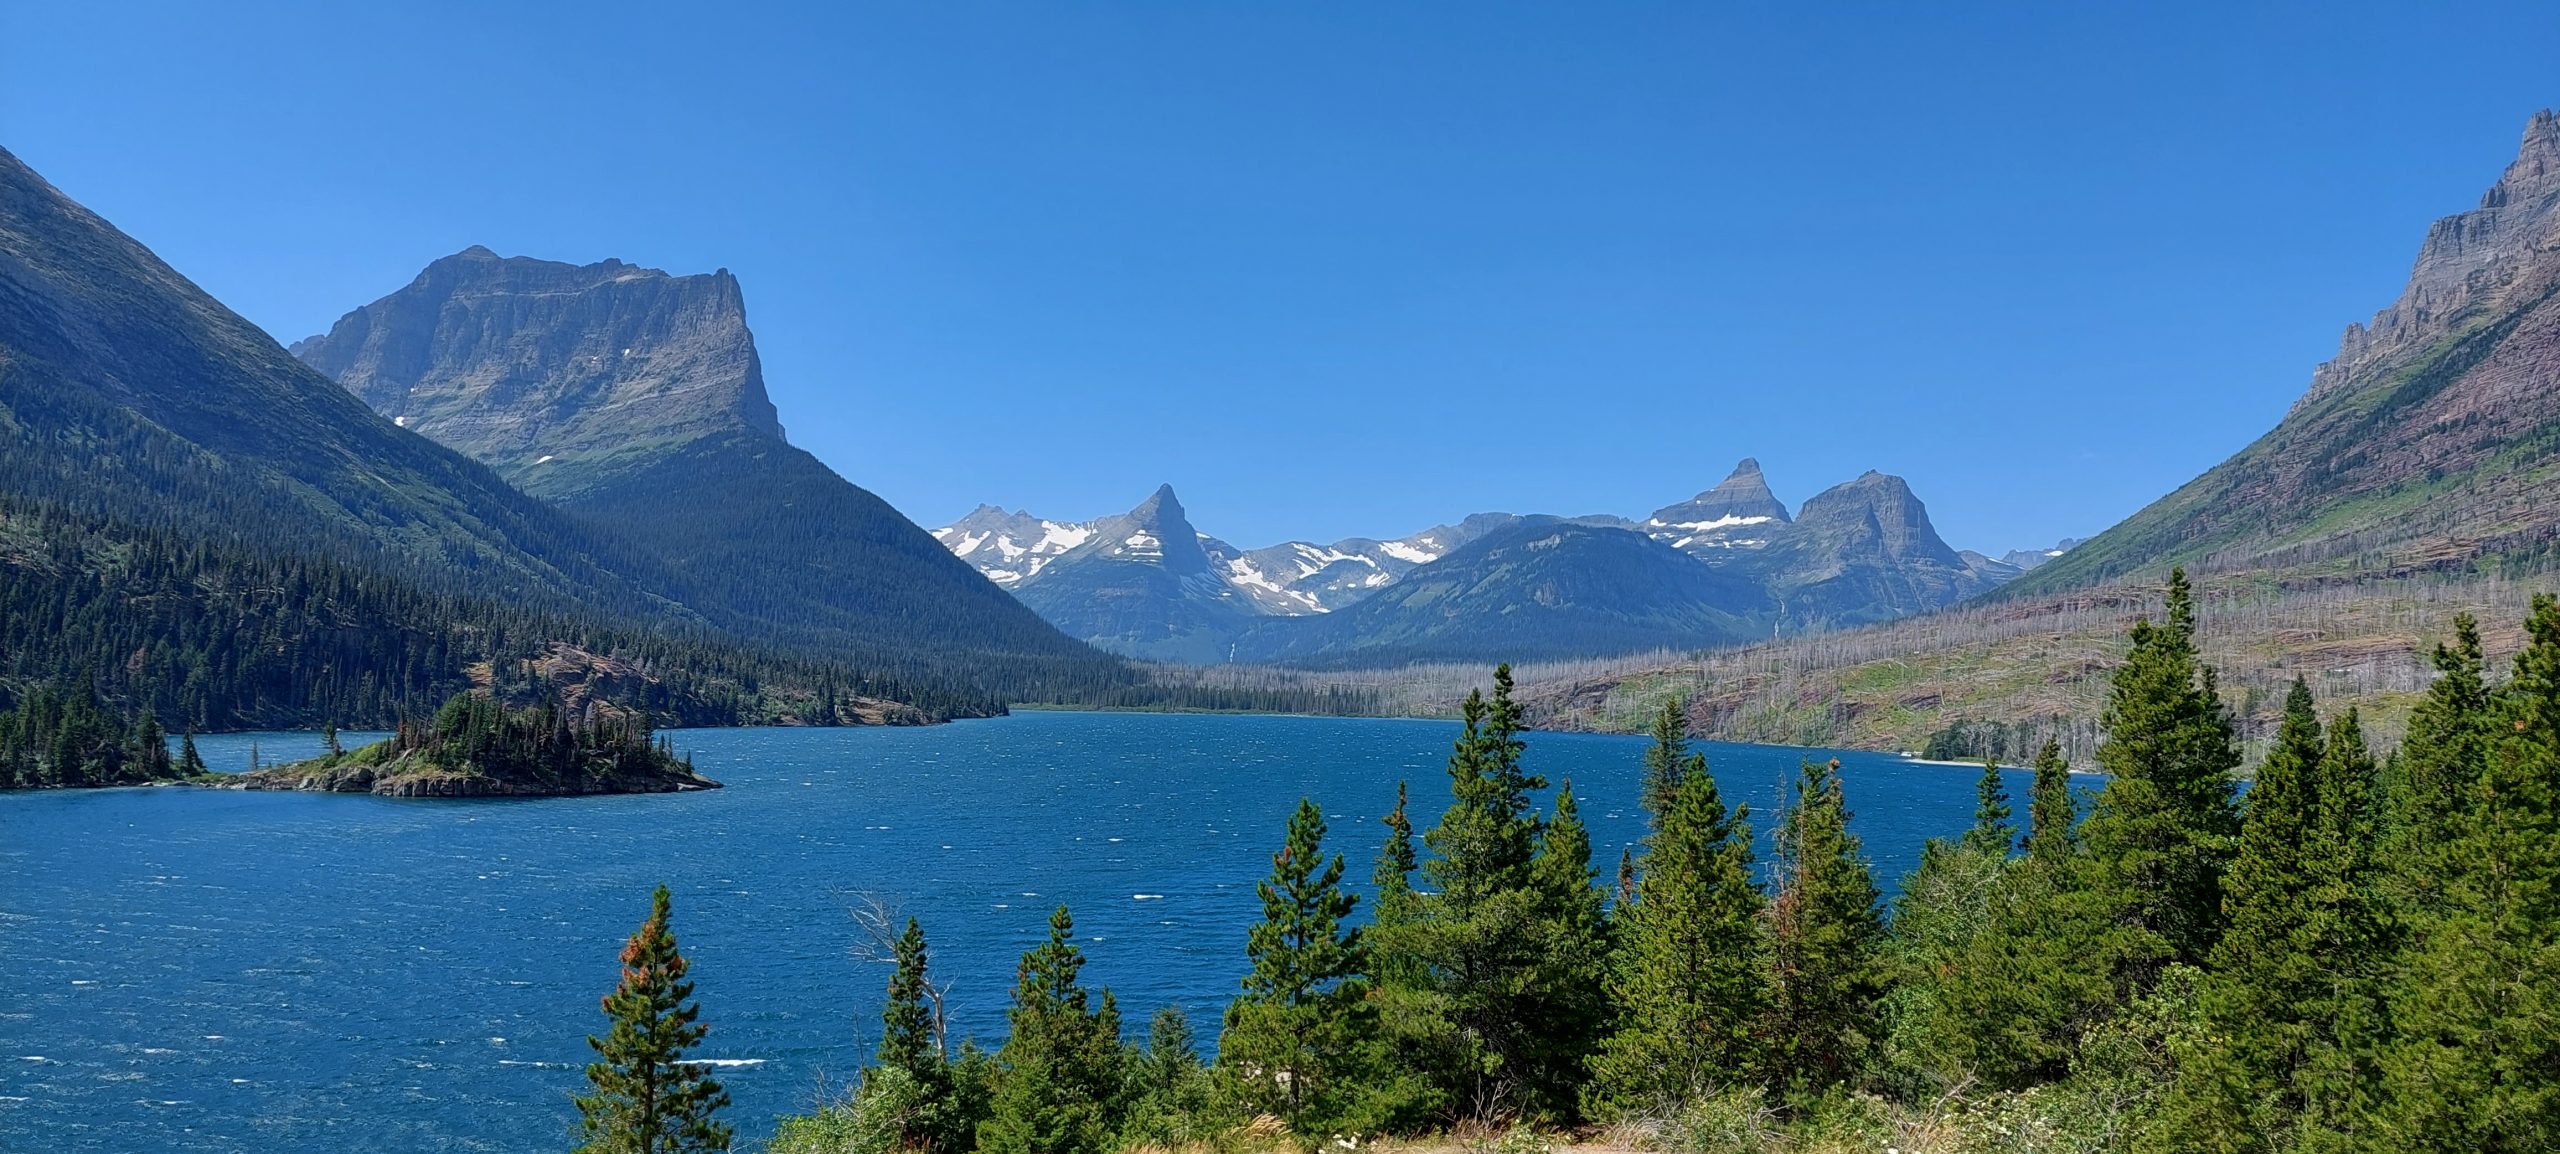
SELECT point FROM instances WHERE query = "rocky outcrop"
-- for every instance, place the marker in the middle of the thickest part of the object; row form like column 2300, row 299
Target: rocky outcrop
column 554, row 374
column 2427, row 443
column 2468, row 259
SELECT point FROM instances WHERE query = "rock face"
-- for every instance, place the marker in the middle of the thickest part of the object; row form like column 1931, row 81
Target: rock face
column 127, row 392
column 1859, row 552
column 636, row 399
column 553, row 373
column 2425, row 442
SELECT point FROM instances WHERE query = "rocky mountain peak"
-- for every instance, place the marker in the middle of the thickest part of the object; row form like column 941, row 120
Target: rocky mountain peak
column 1875, row 515
column 551, row 372
column 1157, row 531
column 1739, row 501
column 2468, row 258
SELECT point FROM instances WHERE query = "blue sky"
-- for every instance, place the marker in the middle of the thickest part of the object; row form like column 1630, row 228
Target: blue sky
column 1338, row 269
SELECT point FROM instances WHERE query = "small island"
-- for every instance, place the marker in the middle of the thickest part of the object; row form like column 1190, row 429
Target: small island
column 477, row 747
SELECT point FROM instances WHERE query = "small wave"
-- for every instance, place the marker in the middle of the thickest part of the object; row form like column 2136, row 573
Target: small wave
column 723, row 1061
column 1146, row 897
column 157, row 1050
column 83, row 982
column 535, row 1065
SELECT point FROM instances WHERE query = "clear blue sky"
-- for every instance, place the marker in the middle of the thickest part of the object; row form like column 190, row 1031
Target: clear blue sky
column 1339, row 269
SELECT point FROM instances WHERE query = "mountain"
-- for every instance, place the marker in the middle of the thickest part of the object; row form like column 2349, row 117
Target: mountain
column 1288, row 579
column 1536, row 588
column 1142, row 584
column 1862, row 551
column 1009, row 547
column 130, row 393
column 636, row 400
column 1857, row 552
column 2432, row 438
column 2025, row 559
column 194, row 523
column 553, row 374
column 1739, row 513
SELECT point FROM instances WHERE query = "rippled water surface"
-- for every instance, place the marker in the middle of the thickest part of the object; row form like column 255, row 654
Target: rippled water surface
column 207, row 970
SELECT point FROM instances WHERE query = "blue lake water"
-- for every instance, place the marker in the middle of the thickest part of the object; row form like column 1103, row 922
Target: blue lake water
column 281, row 973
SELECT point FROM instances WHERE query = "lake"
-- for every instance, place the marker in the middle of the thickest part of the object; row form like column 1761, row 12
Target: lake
column 287, row 973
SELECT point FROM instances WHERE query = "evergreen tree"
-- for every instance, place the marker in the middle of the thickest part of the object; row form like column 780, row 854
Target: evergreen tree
column 911, row 1044
column 2475, row 1063
column 1568, row 1005
column 1420, row 1045
column 1687, row 973
column 647, row 1099
column 908, row 1036
column 1824, row 930
column 1476, row 934
column 1061, row 1062
column 1668, row 761
column 1396, row 904
column 1991, row 832
column 2162, row 830
column 1299, row 1039
column 190, row 763
column 1170, row 1093
column 2242, row 1093
column 2432, row 778
column 2051, row 810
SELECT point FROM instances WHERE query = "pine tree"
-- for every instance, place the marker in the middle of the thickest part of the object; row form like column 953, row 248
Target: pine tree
column 1824, row 931
column 2162, row 830
column 2051, row 810
column 1687, row 975
column 1567, row 1007
column 1419, row 1044
column 1172, row 1101
column 1668, row 761
column 1300, row 1038
column 2240, row 1094
column 190, row 762
column 908, row 1036
column 2430, row 781
column 1396, row 905
column 1060, row 1064
column 1991, row 832
column 1476, row 933
column 647, row 1099
column 2475, row 1063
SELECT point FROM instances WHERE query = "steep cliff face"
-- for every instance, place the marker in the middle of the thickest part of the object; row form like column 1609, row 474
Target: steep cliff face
column 556, row 375
column 1863, row 551
column 2433, row 437
column 128, row 392
column 636, row 398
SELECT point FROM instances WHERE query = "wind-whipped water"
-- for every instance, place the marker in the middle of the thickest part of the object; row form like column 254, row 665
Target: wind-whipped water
column 283, row 972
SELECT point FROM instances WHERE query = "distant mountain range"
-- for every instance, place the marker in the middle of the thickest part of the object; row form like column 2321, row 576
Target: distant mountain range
column 1729, row 564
